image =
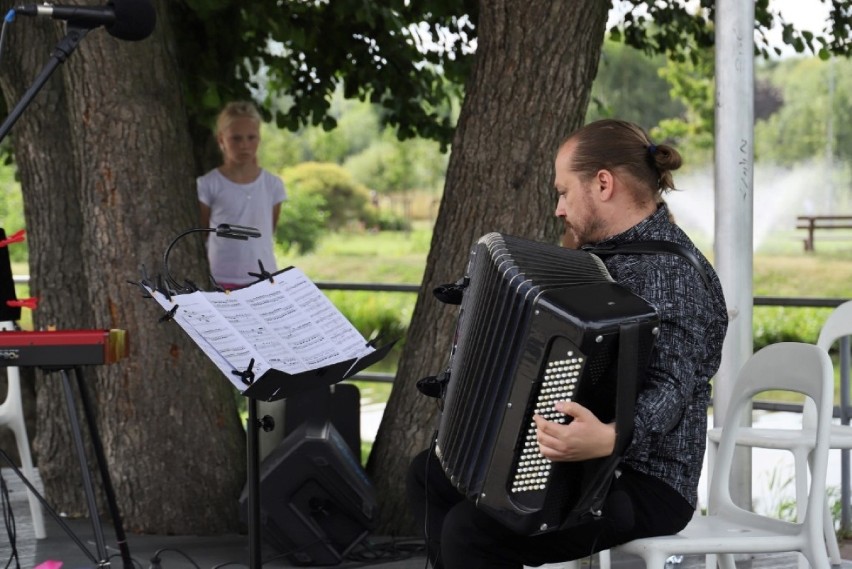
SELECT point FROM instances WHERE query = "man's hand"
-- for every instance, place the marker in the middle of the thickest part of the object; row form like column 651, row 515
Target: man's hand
column 583, row 438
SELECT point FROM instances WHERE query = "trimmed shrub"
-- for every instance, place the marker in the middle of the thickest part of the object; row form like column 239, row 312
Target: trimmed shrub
column 344, row 200
column 301, row 223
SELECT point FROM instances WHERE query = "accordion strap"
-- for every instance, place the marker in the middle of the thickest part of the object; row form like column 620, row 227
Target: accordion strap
column 628, row 384
column 627, row 387
column 653, row 248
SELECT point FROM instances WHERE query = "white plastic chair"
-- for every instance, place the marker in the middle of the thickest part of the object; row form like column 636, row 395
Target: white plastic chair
column 837, row 325
column 12, row 416
column 604, row 561
column 728, row 529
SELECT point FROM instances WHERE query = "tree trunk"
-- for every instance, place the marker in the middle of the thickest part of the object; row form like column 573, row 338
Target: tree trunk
column 535, row 64
column 42, row 142
column 122, row 190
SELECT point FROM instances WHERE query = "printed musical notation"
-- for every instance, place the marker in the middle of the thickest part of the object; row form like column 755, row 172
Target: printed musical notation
column 286, row 324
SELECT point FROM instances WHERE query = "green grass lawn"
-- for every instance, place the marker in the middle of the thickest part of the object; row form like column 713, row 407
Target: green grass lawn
column 385, row 257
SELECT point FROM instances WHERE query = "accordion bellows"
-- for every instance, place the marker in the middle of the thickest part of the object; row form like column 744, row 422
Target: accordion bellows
column 537, row 324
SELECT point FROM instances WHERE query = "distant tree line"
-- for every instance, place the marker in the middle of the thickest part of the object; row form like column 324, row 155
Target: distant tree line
column 802, row 111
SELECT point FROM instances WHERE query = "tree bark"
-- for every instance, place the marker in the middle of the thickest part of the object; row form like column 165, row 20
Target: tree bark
column 535, row 64
column 108, row 179
column 42, row 142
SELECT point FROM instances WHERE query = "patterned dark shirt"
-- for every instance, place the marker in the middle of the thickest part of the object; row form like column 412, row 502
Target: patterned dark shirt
column 670, row 425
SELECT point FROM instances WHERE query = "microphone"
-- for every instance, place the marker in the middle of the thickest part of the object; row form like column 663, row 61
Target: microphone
column 131, row 20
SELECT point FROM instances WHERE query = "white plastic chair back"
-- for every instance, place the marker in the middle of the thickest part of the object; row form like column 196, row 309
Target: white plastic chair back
column 12, row 416
column 787, row 366
column 837, row 325
column 729, row 529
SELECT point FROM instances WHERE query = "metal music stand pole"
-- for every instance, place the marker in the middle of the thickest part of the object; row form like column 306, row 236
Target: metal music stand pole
column 253, row 457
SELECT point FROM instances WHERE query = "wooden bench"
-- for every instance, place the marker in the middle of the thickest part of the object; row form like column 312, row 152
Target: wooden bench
column 811, row 223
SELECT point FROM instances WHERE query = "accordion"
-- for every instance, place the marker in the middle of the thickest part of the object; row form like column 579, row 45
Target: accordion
column 538, row 324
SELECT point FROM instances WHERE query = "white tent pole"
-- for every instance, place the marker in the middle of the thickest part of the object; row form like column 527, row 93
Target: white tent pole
column 734, row 203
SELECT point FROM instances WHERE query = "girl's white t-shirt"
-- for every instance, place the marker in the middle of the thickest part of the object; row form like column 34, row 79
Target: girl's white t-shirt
column 249, row 205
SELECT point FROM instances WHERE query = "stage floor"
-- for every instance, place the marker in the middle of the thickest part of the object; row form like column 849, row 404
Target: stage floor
column 177, row 552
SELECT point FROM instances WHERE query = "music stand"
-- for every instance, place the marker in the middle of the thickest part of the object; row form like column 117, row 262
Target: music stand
column 272, row 384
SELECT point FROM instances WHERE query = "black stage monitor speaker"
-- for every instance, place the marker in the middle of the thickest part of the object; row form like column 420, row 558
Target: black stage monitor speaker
column 316, row 502
column 339, row 403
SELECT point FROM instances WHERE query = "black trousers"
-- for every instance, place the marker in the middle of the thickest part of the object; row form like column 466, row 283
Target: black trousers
column 459, row 536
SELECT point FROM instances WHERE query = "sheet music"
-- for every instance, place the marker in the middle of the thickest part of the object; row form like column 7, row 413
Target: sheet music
column 214, row 335
column 287, row 324
column 238, row 311
column 316, row 329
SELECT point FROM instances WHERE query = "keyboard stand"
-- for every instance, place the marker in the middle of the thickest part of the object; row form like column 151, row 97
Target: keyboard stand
column 102, row 558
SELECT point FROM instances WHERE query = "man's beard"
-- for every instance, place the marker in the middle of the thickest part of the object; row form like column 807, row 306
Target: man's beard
column 589, row 230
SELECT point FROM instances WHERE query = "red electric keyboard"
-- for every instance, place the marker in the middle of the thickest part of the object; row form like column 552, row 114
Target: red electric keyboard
column 62, row 348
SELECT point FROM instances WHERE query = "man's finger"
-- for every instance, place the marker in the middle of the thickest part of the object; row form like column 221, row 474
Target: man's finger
column 572, row 409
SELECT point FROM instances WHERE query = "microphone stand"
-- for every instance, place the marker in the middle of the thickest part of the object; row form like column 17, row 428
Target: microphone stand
column 73, row 36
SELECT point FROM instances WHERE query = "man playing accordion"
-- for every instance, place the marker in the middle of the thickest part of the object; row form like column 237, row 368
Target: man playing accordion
column 610, row 179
